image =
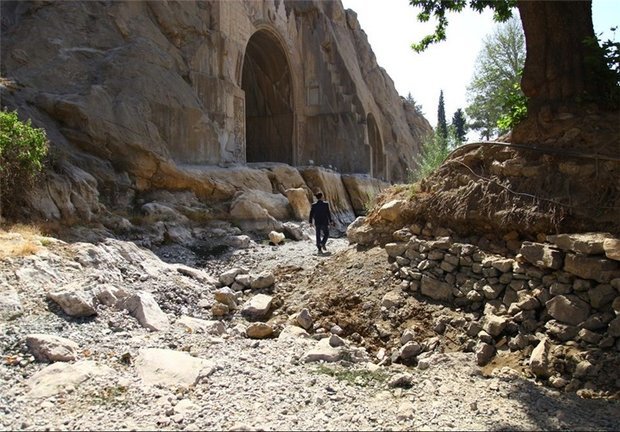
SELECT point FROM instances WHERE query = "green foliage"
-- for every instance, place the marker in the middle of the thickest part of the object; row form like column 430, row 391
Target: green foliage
column 460, row 125
column 109, row 395
column 371, row 201
column 412, row 103
column 435, row 149
column 605, row 74
column 358, row 377
column 515, row 109
column 438, row 9
column 442, row 125
column 495, row 91
column 22, row 154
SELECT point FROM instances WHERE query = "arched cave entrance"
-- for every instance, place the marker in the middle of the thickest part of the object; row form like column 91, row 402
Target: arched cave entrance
column 377, row 158
column 266, row 81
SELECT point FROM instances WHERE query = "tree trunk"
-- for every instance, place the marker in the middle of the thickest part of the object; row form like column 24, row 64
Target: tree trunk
column 561, row 73
column 555, row 67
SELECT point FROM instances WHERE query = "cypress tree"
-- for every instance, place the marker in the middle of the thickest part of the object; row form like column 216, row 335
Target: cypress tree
column 442, row 126
column 459, row 124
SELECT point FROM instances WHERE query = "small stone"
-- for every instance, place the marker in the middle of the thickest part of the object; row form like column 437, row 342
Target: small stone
column 259, row 330
column 484, row 353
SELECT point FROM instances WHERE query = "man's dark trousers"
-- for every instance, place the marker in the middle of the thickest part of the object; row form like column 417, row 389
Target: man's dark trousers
column 321, row 240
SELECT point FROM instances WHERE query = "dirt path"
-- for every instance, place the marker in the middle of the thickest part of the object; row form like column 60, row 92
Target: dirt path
column 261, row 384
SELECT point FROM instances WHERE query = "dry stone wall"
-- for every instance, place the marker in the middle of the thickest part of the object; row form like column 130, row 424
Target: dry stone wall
column 566, row 289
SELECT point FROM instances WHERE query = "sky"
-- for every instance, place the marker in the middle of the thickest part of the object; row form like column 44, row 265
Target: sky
column 392, row 26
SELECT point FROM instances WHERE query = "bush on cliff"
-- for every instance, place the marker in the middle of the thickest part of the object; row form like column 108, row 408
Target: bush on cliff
column 23, row 149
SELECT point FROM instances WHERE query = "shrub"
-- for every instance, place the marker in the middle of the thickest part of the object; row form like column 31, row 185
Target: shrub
column 23, row 149
column 435, row 149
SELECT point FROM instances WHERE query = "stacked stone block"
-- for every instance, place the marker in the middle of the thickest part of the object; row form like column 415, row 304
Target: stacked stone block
column 567, row 287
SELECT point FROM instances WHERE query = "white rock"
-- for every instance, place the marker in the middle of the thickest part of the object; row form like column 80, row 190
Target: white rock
column 239, row 241
column 10, row 305
column 291, row 332
column 197, row 325
column 145, row 309
column 59, row 377
column 50, row 348
column 109, row 294
column 391, row 299
column 74, row 302
column 171, row 368
column 322, row 351
column 228, row 277
column 392, row 210
column 304, row 319
column 276, row 237
column 196, row 274
column 257, row 307
column 539, row 359
column 263, row 280
column 227, row 296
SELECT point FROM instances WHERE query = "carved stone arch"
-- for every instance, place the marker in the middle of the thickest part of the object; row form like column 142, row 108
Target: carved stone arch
column 377, row 154
column 268, row 85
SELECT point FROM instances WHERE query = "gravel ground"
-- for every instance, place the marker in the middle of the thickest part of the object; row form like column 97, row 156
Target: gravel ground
column 251, row 384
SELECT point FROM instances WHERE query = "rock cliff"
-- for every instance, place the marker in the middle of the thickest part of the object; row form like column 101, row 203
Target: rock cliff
column 141, row 96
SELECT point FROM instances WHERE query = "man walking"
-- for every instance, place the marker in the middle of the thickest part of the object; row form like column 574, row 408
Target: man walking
column 322, row 219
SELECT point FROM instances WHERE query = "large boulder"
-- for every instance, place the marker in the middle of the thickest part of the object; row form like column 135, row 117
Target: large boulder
column 539, row 359
column 276, row 204
column 71, row 193
column 334, row 192
column 299, row 202
column 362, row 190
column 250, row 216
column 392, row 211
column 257, row 307
column 361, row 232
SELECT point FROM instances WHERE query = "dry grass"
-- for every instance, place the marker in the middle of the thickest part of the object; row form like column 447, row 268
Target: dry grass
column 23, row 229
column 19, row 240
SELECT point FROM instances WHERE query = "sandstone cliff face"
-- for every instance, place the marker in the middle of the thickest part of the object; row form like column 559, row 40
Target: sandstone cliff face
column 135, row 93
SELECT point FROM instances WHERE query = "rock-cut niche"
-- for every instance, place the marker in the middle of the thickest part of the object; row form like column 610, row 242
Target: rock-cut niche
column 266, row 81
column 377, row 161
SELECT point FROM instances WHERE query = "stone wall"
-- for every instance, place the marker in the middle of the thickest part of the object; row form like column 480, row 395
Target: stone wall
column 566, row 288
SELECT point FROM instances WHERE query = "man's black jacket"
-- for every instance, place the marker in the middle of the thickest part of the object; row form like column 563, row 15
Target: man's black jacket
column 320, row 213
